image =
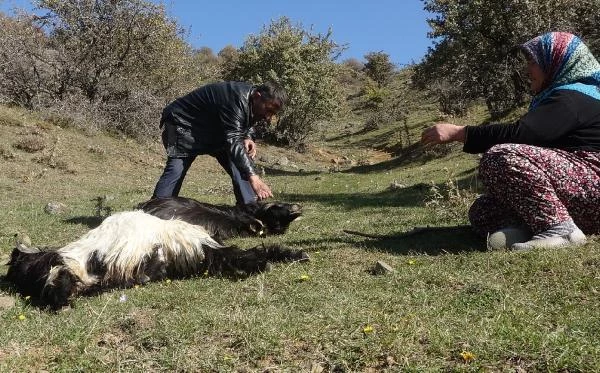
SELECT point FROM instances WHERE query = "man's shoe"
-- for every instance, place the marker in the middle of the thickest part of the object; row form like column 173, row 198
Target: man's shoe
column 573, row 239
column 504, row 238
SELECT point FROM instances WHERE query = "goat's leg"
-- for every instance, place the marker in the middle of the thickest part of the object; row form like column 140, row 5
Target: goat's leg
column 234, row 261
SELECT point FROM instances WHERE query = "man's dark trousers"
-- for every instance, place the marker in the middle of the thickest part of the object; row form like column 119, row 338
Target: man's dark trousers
column 175, row 170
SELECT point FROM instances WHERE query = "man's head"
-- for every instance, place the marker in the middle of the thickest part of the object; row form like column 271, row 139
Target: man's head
column 267, row 100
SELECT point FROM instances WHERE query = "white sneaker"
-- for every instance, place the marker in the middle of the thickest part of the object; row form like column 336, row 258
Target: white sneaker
column 573, row 239
column 504, row 238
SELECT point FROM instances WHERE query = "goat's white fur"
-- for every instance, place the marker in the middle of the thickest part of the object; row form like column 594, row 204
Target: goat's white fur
column 125, row 240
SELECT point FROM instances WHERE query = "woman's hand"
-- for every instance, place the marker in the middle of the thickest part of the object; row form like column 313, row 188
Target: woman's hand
column 443, row 133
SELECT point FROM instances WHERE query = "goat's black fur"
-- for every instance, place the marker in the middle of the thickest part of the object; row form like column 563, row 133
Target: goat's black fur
column 223, row 221
column 234, row 262
column 29, row 271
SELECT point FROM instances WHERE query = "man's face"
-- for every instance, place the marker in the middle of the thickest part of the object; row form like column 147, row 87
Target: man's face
column 263, row 110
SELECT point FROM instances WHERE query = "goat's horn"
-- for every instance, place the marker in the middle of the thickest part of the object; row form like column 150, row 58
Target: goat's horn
column 27, row 250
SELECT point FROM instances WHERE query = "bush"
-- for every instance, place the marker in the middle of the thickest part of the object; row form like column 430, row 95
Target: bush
column 109, row 65
column 31, row 143
column 379, row 68
column 302, row 63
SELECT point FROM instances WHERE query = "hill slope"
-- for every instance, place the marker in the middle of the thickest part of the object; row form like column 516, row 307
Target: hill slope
column 449, row 305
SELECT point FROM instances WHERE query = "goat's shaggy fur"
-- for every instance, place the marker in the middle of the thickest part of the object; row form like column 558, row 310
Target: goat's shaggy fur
column 222, row 221
column 132, row 248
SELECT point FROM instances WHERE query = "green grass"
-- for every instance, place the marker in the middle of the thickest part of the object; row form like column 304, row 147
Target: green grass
column 534, row 311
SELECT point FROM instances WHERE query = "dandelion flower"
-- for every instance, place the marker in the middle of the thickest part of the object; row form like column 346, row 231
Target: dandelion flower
column 467, row 356
column 412, row 262
column 368, row 329
column 304, row 277
column 21, row 317
column 168, row 281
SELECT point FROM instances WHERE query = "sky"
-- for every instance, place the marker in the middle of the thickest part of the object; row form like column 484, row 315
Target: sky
column 395, row 27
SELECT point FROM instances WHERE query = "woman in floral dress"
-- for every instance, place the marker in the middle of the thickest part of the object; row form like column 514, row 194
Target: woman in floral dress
column 542, row 173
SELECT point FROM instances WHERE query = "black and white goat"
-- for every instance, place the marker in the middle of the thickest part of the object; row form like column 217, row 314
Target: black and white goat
column 222, row 221
column 130, row 248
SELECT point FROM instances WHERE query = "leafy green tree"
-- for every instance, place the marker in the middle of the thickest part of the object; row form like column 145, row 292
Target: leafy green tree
column 303, row 63
column 379, row 68
column 474, row 53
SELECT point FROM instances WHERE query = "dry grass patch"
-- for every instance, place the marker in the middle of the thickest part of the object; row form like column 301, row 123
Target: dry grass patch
column 31, row 143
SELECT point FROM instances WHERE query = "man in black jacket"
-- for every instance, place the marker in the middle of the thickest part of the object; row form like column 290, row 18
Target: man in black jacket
column 218, row 119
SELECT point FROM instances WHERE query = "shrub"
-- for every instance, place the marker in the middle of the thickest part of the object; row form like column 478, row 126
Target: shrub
column 379, row 68
column 302, row 63
column 31, row 143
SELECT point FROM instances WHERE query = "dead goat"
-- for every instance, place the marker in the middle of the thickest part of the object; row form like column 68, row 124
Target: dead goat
column 130, row 248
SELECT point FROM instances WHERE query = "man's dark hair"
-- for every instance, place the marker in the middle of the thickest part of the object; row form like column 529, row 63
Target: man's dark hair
column 273, row 91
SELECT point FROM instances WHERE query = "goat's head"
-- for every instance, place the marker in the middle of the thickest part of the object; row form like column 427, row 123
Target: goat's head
column 42, row 275
column 276, row 216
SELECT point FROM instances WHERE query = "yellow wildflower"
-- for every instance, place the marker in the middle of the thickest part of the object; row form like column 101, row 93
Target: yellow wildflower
column 304, row 277
column 21, row 317
column 467, row 356
column 412, row 262
column 368, row 329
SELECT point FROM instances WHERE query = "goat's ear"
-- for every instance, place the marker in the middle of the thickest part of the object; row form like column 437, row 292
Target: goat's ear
column 267, row 205
column 257, row 227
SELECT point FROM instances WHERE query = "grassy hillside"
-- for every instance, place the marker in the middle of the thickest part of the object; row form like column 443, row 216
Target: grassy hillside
column 449, row 305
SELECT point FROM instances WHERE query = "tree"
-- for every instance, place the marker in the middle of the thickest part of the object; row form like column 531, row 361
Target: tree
column 379, row 68
column 474, row 57
column 207, row 64
column 112, row 63
column 303, row 63
column 21, row 73
column 228, row 58
column 103, row 46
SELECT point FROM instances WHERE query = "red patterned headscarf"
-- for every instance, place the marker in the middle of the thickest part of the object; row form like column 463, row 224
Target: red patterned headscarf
column 567, row 63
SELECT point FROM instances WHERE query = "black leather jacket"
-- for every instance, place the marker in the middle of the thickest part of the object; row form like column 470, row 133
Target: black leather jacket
column 212, row 118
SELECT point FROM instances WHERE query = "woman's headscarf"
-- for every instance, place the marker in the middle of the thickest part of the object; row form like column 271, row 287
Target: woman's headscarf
column 567, row 63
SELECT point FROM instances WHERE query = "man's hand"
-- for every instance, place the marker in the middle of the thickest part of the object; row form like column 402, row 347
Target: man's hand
column 250, row 147
column 443, row 133
column 261, row 189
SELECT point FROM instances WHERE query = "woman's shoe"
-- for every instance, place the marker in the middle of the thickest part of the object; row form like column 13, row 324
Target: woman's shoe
column 504, row 238
column 573, row 239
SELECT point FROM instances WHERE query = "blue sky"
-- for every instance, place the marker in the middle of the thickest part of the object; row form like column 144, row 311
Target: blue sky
column 396, row 27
